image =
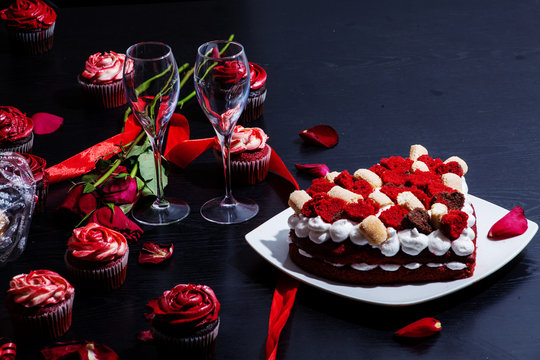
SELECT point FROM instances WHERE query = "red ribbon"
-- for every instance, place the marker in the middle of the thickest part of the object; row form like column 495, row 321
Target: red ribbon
column 181, row 151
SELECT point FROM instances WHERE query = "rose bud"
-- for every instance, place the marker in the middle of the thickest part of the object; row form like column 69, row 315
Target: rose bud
column 120, row 191
column 118, row 221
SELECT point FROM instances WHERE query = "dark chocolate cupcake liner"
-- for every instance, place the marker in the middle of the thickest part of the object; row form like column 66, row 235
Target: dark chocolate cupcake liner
column 107, row 96
column 51, row 324
column 42, row 190
column 251, row 172
column 254, row 108
column 33, row 42
column 200, row 347
column 108, row 278
column 25, row 147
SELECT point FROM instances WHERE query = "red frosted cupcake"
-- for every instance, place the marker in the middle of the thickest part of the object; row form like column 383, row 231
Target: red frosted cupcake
column 101, row 80
column 40, row 304
column 250, row 155
column 97, row 257
column 30, row 25
column 37, row 166
column 185, row 321
column 16, row 130
column 257, row 94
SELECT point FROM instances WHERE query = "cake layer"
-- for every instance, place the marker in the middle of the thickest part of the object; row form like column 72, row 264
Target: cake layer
column 378, row 275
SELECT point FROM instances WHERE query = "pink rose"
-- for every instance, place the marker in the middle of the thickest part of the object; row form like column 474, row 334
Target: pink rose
column 105, row 68
column 120, row 191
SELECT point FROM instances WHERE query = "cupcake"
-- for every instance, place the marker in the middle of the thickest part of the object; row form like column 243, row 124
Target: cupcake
column 97, row 257
column 257, row 94
column 185, row 321
column 37, row 166
column 40, row 304
column 30, row 25
column 250, row 155
column 16, row 130
column 101, row 80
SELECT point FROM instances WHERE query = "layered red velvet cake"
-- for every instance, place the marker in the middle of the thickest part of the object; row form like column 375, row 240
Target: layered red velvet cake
column 402, row 220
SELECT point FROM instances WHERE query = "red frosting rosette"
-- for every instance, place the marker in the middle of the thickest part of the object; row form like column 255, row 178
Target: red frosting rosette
column 28, row 15
column 14, row 124
column 105, row 68
column 37, row 165
column 258, row 76
column 230, row 72
column 40, row 288
column 97, row 243
column 186, row 305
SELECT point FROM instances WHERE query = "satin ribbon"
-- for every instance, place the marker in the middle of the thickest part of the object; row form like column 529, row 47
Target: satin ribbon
column 181, row 151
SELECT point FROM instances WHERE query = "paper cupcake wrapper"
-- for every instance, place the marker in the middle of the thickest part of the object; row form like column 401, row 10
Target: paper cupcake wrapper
column 33, row 42
column 109, row 278
column 105, row 95
column 251, row 172
column 51, row 324
column 42, row 192
column 21, row 148
column 254, row 108
column 199, row 347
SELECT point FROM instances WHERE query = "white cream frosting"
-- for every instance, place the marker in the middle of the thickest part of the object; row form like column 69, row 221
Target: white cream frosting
column 318, row 224
column 438, row 243
column 340, row 230
column 363, row 266
column 391, row 246
column 357, row 237
column 412, row 266
column 318, row 237
column 412, row 241
column 464, row 244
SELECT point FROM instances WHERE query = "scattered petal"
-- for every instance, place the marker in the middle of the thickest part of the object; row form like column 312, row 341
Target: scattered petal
column 45, row 123
column 317, row 170
column 420, row 328
column 152, row 253
column 322, row 135
column 149, row 316
column 145, row 336
column 512, row 224
column 78, row 350
column 8, row 350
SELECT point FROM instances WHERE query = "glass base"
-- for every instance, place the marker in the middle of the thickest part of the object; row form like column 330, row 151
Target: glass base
column 155, row 215
column 243, row 210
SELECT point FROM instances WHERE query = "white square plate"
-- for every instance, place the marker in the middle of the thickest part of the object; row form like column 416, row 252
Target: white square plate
column 271, row 241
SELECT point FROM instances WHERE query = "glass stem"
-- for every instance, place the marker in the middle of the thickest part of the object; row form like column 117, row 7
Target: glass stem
column 156, row 146
column 228, row 200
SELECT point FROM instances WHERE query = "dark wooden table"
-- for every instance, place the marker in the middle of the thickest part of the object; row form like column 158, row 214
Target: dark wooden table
column 460, row 77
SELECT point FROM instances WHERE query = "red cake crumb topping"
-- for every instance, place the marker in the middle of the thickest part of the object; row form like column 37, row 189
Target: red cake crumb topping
column 430, row 162
column 360, row 210
column 422, row 179
column 329, row 209
column 394, row 217
column 344, row 179
column 424, row 199
column 434, row 189
column 320, row 185
column 392, row 191
column 397, row 163
column 453, row 223
column 450, row 167
column 394, row 177
column 378, row 169
column 362, row 187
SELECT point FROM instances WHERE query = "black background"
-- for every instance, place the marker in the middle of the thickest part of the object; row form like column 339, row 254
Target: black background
column 460, row 77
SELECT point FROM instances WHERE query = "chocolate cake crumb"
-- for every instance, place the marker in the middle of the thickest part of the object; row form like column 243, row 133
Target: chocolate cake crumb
column 454, row 200
column 419, row 218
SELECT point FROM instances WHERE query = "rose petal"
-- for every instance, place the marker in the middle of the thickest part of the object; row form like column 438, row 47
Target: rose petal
column 322, row 135
column 152, row 253
column 78, row 350
column 145, row 336
column 45, row 123
column 313, row 169
column 512, row 224
column 420, row 328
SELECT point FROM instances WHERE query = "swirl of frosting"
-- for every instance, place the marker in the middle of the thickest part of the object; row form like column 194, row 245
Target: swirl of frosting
column 230, row 72
column 105, row 68
column 28, row 15
column 391, row 246
column 39, row 288
column 464, row 245
column 14, row 124
column 188, row 305
column 258, row 76
column 245, row 139
column 97, row 243
column 318, row 224
column 302, row 230
column 438, row 243
column 37, row 165
column 339, row 231
column 412, row 241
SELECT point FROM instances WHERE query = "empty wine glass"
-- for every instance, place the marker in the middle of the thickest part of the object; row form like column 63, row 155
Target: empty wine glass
column 222, row 81
column 152, row 86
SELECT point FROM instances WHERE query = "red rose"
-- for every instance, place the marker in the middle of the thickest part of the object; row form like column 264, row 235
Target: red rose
column 116, row 220
column 187, row 305
column 78, row 203
column 120, row 191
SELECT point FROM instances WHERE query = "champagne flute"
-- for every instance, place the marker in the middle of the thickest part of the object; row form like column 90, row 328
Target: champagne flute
column 152, row 86
column 222, row 81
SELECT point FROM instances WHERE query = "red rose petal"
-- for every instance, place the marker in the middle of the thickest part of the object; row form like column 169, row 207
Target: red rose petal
column 317, row 170
column 45, row 123
column 145, row 336
column 78, row 350
column 152, row 253
column 512, row 224
column 322, row 135
column 420, row 328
